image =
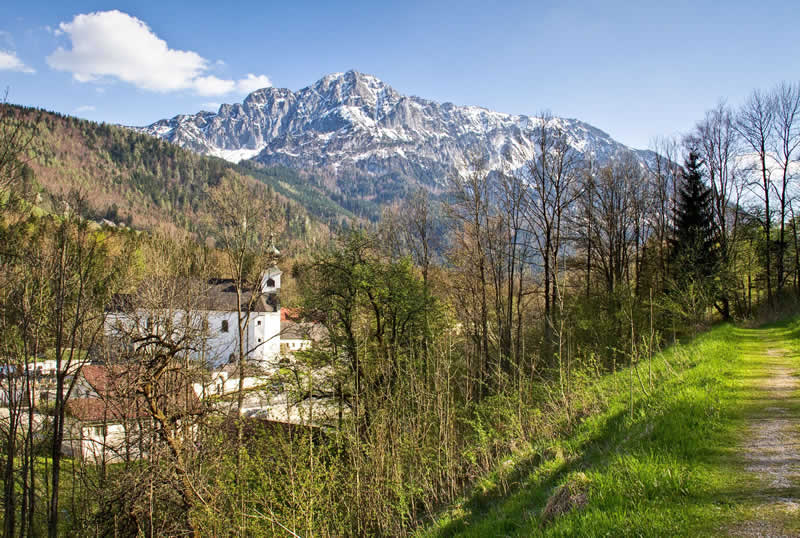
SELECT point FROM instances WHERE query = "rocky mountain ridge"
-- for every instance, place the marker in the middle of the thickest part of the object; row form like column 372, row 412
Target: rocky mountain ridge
column 353, row 124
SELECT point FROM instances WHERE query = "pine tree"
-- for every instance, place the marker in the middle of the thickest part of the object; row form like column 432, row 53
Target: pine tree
column 694, row 246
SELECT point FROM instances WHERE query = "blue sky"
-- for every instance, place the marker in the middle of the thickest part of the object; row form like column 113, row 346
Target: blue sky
column 634, row 69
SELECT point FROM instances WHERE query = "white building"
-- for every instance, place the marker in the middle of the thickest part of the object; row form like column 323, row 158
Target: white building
column 296, row 334
column 214, row 317
column 262, row 337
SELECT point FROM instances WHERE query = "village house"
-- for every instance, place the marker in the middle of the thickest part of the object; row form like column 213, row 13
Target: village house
column 110, row 420
column 296, row 334
column 41, row 373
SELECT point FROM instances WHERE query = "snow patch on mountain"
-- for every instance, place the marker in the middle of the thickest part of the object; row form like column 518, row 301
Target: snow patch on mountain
column 352, row 123
column 235, row 155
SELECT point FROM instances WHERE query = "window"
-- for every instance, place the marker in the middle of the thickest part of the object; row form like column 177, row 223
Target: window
column 224, row 327
column 259, row 322
column 270, row 283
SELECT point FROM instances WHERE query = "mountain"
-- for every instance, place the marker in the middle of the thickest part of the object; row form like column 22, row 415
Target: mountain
column 351, row 126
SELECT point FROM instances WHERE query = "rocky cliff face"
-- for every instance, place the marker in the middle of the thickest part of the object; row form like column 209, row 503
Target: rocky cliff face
column 350, row 125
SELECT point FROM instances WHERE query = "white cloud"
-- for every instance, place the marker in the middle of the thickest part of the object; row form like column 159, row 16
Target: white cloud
column 212, row 85
column 10, row 62
column 252, row 83
column 85, row 108
column 112, row 43
column 115, row 44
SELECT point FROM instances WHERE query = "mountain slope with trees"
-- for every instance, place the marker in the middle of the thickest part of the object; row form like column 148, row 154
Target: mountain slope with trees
column 133, row 179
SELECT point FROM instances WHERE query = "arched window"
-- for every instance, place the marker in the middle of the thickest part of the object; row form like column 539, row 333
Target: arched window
column 224, row 327
column 270, row 283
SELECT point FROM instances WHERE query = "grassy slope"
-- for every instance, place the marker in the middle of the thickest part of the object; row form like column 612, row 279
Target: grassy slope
column 670, row 469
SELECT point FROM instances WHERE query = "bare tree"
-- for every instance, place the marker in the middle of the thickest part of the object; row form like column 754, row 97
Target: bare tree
column 158, row 341
column 512, row 198
column 756, row 124
column 786, row 140
column 665, row 172
column 716, row 140
column 246, row 221
column 418, row 219
column 469, row 215
column 615, row 198
column 553, row 179
column 21, row 320
column 82, row 278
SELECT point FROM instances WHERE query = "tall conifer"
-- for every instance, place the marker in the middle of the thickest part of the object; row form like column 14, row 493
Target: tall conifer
column 694, row 245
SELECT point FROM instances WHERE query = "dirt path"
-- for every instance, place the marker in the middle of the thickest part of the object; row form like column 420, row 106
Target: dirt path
column 771, row 446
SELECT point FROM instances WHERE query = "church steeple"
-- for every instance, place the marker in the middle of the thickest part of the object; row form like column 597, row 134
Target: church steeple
column 272, row 250
column 271, row 279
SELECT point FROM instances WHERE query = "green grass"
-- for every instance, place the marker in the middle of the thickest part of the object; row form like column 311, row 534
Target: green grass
column 671, row 468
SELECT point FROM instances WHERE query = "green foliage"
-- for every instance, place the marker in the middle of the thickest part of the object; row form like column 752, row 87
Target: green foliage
column 694, row 255
column 135, row 179
column 666, row 469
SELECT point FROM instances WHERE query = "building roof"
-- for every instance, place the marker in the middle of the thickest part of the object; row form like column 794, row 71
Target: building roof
column 97, row 376
column 100, row 410
column 118, row 396
column 290, row 314
column 221, row 296
column 215, row 294
column 293, row 328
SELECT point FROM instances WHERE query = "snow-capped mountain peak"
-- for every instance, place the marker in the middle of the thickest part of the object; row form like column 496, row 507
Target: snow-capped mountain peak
column 352, row 124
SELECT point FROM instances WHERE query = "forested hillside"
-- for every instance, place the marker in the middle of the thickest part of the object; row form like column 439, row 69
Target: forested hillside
column 137, row 180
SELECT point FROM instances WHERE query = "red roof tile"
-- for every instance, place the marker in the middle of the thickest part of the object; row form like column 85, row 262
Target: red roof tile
column 290, row 314
column 118, row 398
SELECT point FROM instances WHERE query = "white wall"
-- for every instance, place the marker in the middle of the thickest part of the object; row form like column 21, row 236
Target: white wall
column 221, row 384
column 262, row 338
column 274, row 274
column 91, row 443
column 290, row 345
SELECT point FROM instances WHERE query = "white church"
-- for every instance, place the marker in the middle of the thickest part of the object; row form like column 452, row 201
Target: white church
column 216, row 313
column 263, row 336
